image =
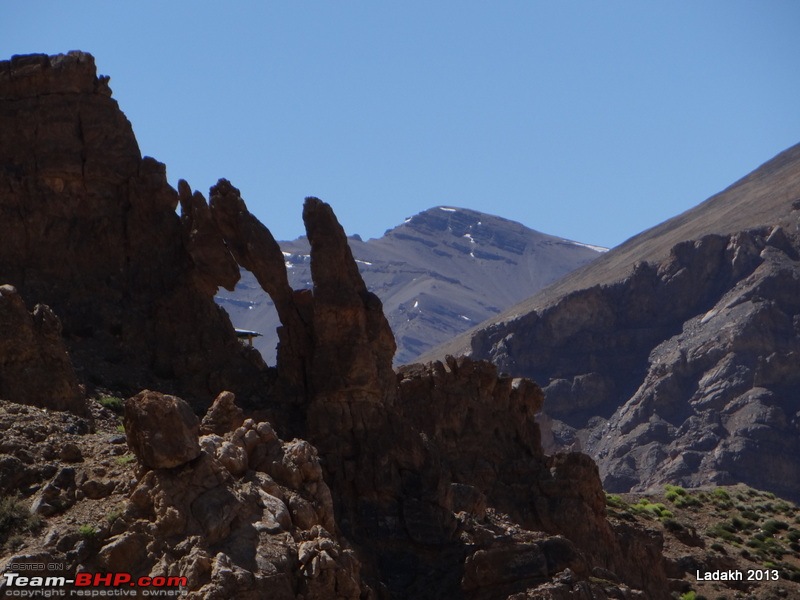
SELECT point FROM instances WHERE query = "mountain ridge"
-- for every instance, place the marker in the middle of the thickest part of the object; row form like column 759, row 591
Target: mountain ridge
column 673, row 357
column 437, row 273
column 618, row 261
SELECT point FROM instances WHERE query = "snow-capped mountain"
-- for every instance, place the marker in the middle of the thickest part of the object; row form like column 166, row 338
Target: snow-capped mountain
column 438, row 274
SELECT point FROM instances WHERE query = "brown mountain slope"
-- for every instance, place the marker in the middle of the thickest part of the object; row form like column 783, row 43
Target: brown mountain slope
column 768, row 195
column 674, row 358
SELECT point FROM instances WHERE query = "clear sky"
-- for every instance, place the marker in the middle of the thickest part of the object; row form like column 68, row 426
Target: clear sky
column 588, row 120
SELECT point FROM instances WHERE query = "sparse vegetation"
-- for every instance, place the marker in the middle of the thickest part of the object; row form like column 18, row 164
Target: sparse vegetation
column 671, row 492
column 125, row 459
column 754, row 529
column 653, row 509
column 680, row 497
column 15, row 520
column 112, row 403
column 113, row 515
column 87, row 531
column 616, row 501
column 772, row 526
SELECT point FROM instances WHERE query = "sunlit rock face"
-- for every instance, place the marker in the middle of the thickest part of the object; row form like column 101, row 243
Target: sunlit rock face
column 673, row 358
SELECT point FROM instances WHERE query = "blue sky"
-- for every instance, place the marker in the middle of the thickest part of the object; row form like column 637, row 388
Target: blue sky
column 588, row 120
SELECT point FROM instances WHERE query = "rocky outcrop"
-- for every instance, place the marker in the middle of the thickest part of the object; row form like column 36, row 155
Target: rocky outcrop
column 419, row 465
column 250, row 518
column 254, row 247
column 222, row 416
column 431, row 483
column 161, row 430
column 85, row 220
column 718, row 401
column 34, row 365
column 683, row 372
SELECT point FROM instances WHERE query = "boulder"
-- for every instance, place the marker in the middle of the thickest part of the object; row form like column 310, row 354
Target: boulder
column 161, row 430
column 222, row 416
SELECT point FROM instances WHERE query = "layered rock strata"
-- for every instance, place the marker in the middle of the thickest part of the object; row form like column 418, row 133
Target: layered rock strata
column 683, row 372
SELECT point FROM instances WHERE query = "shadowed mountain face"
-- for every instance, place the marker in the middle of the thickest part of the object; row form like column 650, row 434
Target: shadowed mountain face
column 83, row 220
column 676, row 356
column 441, row 272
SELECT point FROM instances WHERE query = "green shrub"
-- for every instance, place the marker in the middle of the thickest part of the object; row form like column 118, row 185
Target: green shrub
column 772, row 526
column 112, row 403
column 755, row 543
column 722, row 494
column 687, row 501
column 740, row 524
column 773, row 547
column 674, row 492
column 125, row 459
column 113, row 516
column 87, row 531
column 766, row 507
column 651, row 509
column 723, row 531
column 751, row 515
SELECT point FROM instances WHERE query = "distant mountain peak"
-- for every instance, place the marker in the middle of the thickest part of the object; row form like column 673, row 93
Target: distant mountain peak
column 438, row 273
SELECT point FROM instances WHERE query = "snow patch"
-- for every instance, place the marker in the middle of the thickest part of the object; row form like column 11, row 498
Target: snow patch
column 595, row 248
column 416, row 303
column 465, row 317
column 447, row 209
column 363, row 262
column 469, row 237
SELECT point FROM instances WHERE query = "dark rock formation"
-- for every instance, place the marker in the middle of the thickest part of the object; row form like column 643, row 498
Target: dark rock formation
column 427, row 484
column 222, row 416
column 34, row 365
column 684, row 369
column 254, row 247
column 162, row 431
column 353, row 343
column 84, row 219
column 404, row 457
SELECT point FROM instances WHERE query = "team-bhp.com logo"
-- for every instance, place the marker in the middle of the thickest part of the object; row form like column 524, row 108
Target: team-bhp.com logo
column 91, row 585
